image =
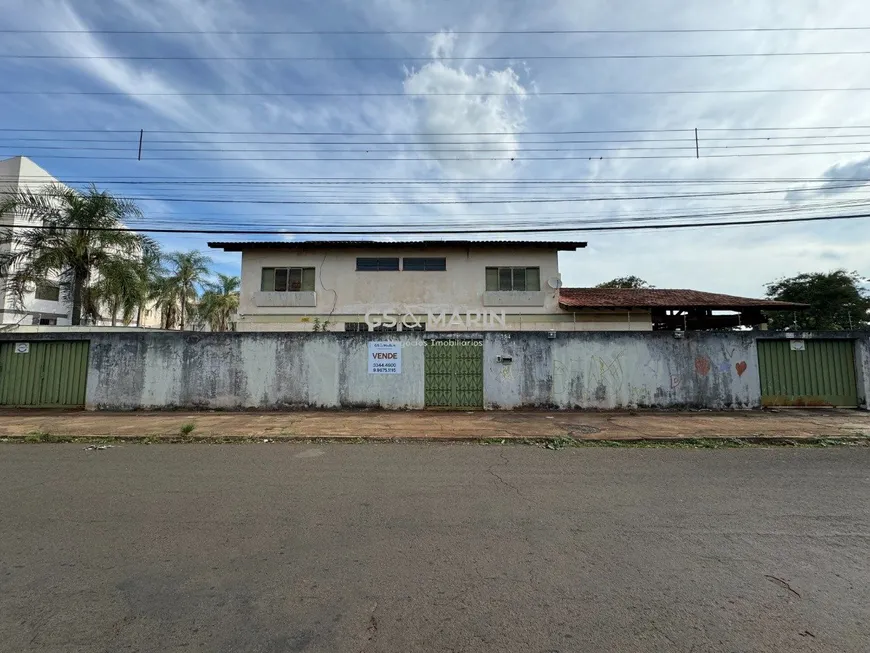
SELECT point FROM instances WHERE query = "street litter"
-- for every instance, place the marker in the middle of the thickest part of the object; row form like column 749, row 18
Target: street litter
column 99, row 447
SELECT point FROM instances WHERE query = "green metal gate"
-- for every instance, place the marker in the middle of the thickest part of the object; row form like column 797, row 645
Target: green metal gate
column 43, row 374
column 454, row 373
column 807, row 372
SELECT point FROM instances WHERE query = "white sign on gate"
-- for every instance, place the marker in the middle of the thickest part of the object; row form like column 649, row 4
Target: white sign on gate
column 385, row 358
column 22, row 347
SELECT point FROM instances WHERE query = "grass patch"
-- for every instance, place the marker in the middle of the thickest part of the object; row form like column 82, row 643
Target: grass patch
column 186, row 429
column 44, row 436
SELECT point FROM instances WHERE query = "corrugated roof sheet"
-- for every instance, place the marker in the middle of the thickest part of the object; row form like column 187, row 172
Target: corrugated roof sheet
column 289, row 244
column 663, row 298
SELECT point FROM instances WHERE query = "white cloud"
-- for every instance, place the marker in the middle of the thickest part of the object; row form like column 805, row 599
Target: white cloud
column 485, row 103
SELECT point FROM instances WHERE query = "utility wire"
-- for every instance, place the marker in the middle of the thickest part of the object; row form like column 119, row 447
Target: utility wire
column 12, row 141
column 353, row 94
column 687, row 155
column 556, row 57
column 338, row 181
column 408, row 232
column 518, row 200
column 472, row 148
column 686, row 130
column 703, row 30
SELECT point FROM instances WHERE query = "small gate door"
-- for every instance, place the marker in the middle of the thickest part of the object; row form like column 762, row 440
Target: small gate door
column 454, row 373
column 43, row 374
column 807, row 373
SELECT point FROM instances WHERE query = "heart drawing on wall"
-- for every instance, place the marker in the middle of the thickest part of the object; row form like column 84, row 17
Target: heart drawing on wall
column 741, row 368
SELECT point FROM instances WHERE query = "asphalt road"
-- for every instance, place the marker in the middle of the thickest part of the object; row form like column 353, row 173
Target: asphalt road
column 391, row 547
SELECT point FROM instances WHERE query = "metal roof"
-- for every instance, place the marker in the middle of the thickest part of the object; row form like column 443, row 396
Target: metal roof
column 296, row 244
column 664, row 298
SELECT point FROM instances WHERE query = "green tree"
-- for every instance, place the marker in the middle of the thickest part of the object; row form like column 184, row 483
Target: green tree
column 116, row 290
column 165, row 298
column 187, row 271
column 625, row 282
column 151, row 273
column 74, row 239
column 836, row 299
column 220, row 301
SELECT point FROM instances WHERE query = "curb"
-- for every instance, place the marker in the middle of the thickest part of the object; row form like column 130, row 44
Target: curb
column 551, row 442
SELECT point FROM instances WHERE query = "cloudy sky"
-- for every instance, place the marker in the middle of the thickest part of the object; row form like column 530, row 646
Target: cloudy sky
column 421, row 130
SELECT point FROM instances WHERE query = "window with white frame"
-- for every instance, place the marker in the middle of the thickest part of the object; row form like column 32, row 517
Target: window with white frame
column 513, row 278
column 287, row 280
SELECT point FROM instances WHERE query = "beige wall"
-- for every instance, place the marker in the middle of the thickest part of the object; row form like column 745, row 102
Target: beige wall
column 345, row 295
column 337, row 281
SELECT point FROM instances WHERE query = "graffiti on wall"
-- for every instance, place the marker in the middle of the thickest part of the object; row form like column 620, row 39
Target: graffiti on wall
column 607, row 370
column 703, row 365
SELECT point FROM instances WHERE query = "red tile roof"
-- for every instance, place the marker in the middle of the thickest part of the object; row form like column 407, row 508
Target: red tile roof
column 664, row 298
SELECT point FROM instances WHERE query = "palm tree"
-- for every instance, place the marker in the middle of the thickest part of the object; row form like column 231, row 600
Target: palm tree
column 76, row 237
column 187, row 271
column 118, row 290
column 166, row 301
column 220, row 301
column 151, row 273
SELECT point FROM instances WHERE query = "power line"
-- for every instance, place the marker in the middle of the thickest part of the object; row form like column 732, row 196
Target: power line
column 353, row 94
column 408, row 232
column 555, row 57
column 403, row 180
column 12, row 141
column 688, row 155
column 317, row 181
column 472, row 148
column 686, row 130
column 540, row 221
column 703, row 30
column 517, row 200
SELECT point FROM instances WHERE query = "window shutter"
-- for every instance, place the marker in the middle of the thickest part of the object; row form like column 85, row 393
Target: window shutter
column 519, row 279
column 505, row 279
column 281, row 279
column 533, row 279
column 491, row 279
column 308, row 279
column 294, row 283
column 267, row 283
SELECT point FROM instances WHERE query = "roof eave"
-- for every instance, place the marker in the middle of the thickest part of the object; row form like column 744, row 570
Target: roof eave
column 675, row 307
column 250, row 245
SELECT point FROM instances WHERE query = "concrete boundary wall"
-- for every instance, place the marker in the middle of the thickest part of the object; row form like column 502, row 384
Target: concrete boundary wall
column 268, row 370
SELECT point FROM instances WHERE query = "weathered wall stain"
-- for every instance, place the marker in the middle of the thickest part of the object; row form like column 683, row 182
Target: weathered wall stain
column 598, row 370
column 606, row 370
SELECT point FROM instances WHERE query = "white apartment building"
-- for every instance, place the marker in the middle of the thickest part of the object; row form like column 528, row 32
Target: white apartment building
column 46, row 303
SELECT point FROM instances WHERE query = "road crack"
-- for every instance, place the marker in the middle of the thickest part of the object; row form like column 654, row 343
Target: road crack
column 781, row 583
column 371, row 629
column 491, row 471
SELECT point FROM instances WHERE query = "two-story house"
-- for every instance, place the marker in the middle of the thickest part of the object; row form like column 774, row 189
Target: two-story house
column 362, row 285
column 458, row 285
